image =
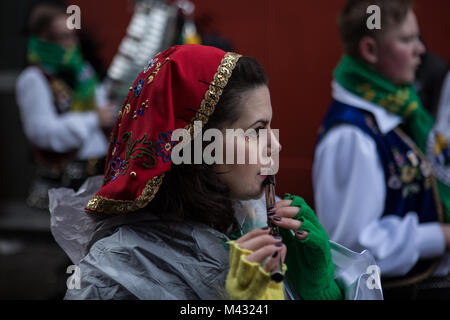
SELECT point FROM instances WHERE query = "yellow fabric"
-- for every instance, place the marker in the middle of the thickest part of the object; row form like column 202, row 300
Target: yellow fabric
column 248, row 280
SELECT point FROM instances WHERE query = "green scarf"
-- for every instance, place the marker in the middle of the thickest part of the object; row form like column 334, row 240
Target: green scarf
column 403, row 101
column 69, row 65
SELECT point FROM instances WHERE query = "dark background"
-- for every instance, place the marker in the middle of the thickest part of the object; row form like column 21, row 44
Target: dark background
column 298, row 44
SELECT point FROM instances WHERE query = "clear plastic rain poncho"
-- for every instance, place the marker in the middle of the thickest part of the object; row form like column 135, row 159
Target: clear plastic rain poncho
column 140, row 256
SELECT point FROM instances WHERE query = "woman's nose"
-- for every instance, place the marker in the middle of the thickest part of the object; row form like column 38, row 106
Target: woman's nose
column 274, row 142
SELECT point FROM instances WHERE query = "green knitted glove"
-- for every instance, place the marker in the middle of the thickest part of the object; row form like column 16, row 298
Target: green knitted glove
column 309, row 264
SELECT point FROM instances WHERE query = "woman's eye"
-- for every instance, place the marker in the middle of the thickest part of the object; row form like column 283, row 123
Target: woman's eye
column 255, row 134
column 258, row 130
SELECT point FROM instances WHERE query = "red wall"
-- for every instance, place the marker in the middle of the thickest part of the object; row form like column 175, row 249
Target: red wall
column 298, row 44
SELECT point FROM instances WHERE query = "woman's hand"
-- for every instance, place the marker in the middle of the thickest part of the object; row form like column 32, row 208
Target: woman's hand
column 264, row 247
column 253, row 257
column 285, row 216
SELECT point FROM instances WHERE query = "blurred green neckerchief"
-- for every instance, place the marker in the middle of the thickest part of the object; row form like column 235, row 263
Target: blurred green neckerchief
column 69, row 66
column 363, row 81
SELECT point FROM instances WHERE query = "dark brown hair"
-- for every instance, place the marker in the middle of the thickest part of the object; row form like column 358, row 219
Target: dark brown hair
column 353, row 18
column 42, row 15
column 195, row 192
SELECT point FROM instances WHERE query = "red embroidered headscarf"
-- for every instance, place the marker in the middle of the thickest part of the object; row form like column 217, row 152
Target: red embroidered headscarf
column 178, row 86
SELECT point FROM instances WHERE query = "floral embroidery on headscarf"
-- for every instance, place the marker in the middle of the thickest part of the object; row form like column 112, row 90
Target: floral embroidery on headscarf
column 150, row 64
column 138, row 88
column 140, row 111
column 145, row 151
column 165, row 145
column 116, row 164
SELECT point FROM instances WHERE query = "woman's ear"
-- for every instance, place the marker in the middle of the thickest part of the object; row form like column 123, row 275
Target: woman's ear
column 368, row 50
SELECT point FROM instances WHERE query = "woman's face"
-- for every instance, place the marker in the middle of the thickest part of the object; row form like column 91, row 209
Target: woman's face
column 246, row 180
column 399, row 51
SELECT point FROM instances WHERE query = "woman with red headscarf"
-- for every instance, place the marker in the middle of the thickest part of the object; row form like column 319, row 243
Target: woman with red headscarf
column 160, row 230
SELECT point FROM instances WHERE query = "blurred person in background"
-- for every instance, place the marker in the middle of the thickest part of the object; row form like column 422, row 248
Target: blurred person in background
column 380, row 171
column 64, row 110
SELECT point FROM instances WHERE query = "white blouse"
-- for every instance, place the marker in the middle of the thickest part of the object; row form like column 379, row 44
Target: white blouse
column 46, row 129
column 350, row 191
